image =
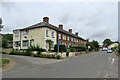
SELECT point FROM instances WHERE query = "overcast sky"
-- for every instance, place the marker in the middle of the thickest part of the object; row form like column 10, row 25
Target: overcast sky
column 93, row 20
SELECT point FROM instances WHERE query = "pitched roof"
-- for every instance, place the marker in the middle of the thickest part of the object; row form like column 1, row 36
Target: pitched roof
column 45, row 24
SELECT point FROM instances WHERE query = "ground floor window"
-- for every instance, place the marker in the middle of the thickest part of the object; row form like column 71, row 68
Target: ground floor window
column 17, row 43
column 52, row 45
column 25, row 43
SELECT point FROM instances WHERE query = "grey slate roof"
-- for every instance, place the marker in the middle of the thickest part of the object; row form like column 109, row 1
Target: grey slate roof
column 44, row 24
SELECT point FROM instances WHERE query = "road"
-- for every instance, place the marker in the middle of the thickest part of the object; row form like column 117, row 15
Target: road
column 92, row 65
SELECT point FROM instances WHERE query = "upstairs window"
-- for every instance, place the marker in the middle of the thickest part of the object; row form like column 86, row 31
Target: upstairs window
column 52, row 34
column 77, row 40
column 46, row 33
column 16, row 34
column 68, row 38
column 59, row 36
column 25, row 33
column 64, row 37
column 71, row 39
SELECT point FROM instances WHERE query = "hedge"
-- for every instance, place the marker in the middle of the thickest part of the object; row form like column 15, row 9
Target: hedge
column 62, row 48
column 80, row 48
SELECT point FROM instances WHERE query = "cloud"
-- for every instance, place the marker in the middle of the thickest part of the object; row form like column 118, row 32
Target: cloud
column 91, row 20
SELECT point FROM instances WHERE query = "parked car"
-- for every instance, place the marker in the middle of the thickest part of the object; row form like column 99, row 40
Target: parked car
column 104, row 49
column 109, row 51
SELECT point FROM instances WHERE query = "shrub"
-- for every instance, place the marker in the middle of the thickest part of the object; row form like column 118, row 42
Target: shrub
column 67, row 52
column 35, row 48
column 62, row 48
column 72, row 49
column 58, row 57
column 119, row 48
column 5, row 61
column 80, row 48
column 16, row 52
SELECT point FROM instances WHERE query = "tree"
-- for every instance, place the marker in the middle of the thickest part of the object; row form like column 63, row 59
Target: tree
column 8, row 37
column 1, row 26
column 4, row 43
column 5, row 39
column 93, row 45
column 106, row 42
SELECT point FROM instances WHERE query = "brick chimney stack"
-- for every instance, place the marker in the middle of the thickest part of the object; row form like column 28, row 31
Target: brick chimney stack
column 70, row 30
column 61, row 26
column 46, row 19
column 76, row 33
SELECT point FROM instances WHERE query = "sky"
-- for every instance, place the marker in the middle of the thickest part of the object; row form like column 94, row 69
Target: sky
column 92, row 20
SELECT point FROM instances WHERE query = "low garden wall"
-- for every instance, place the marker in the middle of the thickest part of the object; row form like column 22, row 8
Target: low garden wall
column 7, row 51
column 71, row 54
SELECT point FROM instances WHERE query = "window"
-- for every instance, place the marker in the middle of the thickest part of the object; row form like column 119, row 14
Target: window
column 71, row 39
column 16, row 34
column 46, row 33
column 52, row 34
column 65, row 37
column 59, row 36
column 74, row 39
column 25, row 33
column 77, row 40
column 68, row 38
column 52, row 45
column 25, row 43
column 16, row 44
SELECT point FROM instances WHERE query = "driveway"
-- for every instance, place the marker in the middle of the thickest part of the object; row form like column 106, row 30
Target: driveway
column 93, row 65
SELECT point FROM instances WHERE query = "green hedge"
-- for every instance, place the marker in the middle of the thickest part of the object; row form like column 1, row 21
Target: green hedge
column 62, row 48
column 16, row 52
column 80, row 48
column 44, row 55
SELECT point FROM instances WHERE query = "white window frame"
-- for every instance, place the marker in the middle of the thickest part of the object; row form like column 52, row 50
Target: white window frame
column 52, row 34
column 59, row 36
column 25, row 44
column 68, row 38
column 64, row 37
column 25, row 33
column 47, row 34
column 16, row 34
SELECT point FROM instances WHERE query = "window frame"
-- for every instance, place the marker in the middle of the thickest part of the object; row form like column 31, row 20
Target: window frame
column 23, row 43
column 47, row 33
column 52, row 34
column 25, row 33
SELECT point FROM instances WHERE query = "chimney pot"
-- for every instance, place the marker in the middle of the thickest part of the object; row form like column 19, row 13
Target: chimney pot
column 61, row 26
column 70, row 30
column 76, row 33
column 46, row 19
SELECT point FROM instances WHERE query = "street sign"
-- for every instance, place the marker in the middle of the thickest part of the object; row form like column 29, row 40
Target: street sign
column 75, row 50
column 58, row 46
column 58, row 43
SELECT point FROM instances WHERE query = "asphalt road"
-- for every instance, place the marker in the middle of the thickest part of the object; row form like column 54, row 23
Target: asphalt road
column 93, row 65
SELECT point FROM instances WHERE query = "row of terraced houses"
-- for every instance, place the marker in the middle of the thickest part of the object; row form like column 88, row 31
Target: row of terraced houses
column 38, row 34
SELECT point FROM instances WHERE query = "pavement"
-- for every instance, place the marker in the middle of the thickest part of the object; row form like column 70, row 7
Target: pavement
column 93, row 65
